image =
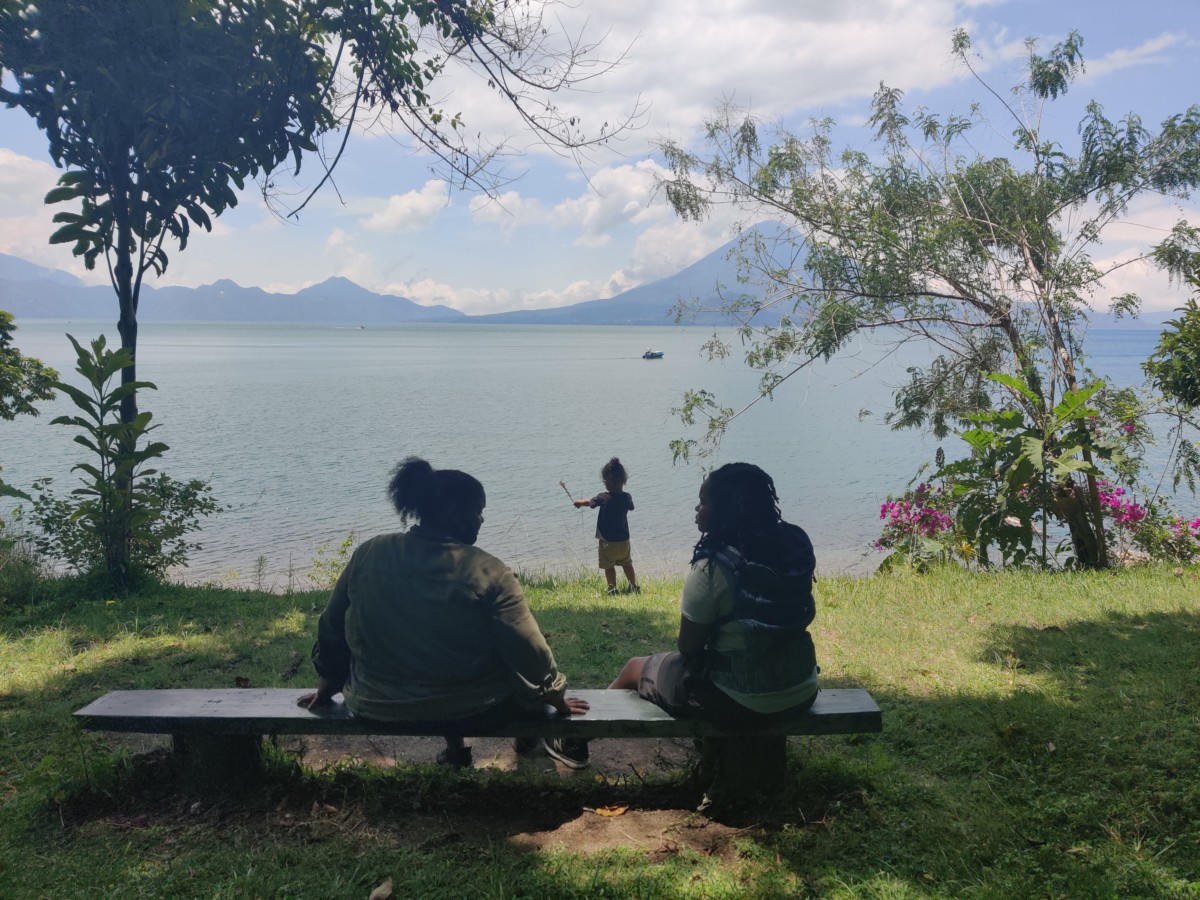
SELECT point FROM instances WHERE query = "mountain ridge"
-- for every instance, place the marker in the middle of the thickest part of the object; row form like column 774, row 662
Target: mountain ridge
column 31, row 291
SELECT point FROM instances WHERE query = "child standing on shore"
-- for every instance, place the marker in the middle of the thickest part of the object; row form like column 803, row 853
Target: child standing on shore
column 612, row 525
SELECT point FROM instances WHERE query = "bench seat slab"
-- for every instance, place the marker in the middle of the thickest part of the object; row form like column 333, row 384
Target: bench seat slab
column 259, row 711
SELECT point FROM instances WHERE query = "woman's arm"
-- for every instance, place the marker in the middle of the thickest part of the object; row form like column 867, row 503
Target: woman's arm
column 520, row 642
column 693, row 637
column 331, row 653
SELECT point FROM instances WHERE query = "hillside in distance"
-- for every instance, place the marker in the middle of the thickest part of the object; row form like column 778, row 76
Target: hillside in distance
column 33, row 292
column 30, row 291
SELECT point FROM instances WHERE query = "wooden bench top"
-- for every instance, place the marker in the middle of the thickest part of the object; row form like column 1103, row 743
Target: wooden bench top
column 274, row 711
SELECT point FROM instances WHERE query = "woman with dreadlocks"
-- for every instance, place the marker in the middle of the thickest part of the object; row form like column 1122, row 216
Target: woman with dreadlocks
column 745, row 654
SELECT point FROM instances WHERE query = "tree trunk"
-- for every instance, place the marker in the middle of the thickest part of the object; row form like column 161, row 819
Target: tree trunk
column 118, row 552
column 123, row 284
column 1092, row 514
column 1071, row 506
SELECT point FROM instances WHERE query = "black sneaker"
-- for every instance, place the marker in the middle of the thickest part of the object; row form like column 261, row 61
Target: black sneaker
column 571, row 752
column 456, row 759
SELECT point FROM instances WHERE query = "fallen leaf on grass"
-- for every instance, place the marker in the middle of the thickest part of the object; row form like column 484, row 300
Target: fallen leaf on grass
column 383, row 892
column 614, row 809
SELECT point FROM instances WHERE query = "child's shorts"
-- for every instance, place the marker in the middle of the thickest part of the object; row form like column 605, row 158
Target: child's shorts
column 614, row 553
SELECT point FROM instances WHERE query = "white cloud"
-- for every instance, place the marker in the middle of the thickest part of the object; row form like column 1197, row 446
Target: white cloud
column 573, row 230
column 614, row 196
column 776, row 56
column 1147, row 52
column 476, row 301
column 413, row 211
column 1148, row 221
column 26, row 222
column 508, row 210
column 348, row 260
column 23, row 182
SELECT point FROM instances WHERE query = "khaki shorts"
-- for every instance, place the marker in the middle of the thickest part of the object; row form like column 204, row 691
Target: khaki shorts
column 614, row 553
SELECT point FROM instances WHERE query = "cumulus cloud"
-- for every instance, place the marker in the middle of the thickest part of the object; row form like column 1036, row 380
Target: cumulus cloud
column 777, row 56
column 23, row 182
column 1148, row 221
column 413, row 211
column 614, row 196
column 782, row 59
column 25, row 221
column 508, row 210
column 475, row 301
column 1147, row 52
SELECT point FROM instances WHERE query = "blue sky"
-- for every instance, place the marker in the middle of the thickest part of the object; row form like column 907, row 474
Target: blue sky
column 562, row 233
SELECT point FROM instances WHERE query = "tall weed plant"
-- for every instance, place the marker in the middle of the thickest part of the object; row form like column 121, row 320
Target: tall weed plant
column 329, row 561
column 23, row 576
column 127, row 522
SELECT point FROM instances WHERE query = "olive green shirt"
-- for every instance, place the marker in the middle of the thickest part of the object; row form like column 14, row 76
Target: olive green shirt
column 421, row 627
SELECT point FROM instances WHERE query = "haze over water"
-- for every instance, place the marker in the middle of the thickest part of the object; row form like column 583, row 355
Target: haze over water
column 297, row 428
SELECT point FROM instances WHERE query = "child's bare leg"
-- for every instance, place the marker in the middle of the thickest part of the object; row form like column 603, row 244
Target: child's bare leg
column 610, row 575
column 629, row 576
column 631, row 674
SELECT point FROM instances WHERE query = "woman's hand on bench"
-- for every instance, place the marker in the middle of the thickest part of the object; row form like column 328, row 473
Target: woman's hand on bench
column 569, row 706
column 322, row 697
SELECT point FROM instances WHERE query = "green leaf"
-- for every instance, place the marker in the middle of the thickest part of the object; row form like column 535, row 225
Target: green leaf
column 1016, row 384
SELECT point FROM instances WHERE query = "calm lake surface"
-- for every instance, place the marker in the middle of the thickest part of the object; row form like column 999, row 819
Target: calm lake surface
column 297, row 428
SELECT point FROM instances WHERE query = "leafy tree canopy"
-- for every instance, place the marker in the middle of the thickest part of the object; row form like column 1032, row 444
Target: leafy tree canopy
column 23, row 379
column 1174, row 366
column 161, row 110
column 985, row 258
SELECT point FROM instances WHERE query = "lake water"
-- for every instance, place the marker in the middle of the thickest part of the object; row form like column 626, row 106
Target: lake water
column 297, row 428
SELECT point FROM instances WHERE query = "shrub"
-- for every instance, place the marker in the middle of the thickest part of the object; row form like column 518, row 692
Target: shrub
column 127, row 522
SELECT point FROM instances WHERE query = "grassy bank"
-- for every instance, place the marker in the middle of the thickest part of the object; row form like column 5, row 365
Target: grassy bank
column 1041, row 738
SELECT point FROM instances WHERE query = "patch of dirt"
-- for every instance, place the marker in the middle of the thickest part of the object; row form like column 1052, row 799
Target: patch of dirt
column 659, row 833
column 627, row 814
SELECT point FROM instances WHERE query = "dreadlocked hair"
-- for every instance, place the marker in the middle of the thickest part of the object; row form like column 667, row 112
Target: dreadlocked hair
column 419, row 491
column 744, row 513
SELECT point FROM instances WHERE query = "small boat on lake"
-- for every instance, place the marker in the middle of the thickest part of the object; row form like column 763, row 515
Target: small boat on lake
column 652, row 354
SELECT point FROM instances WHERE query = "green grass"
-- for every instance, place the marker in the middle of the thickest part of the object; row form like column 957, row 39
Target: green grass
column 1042, row 735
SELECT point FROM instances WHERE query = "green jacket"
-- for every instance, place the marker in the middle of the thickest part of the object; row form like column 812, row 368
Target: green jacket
column 421, row 627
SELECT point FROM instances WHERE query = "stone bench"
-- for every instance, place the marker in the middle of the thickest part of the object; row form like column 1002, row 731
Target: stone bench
column 217, row 734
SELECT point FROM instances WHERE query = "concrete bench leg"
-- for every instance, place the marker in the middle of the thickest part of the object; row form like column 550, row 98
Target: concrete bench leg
column 217, row 762
column 744, row 766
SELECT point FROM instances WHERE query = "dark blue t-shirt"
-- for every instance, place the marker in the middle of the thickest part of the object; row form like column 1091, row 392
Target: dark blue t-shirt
column 612, row 523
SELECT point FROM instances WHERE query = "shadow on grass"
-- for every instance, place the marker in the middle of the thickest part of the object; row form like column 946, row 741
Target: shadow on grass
column 1076, row 780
